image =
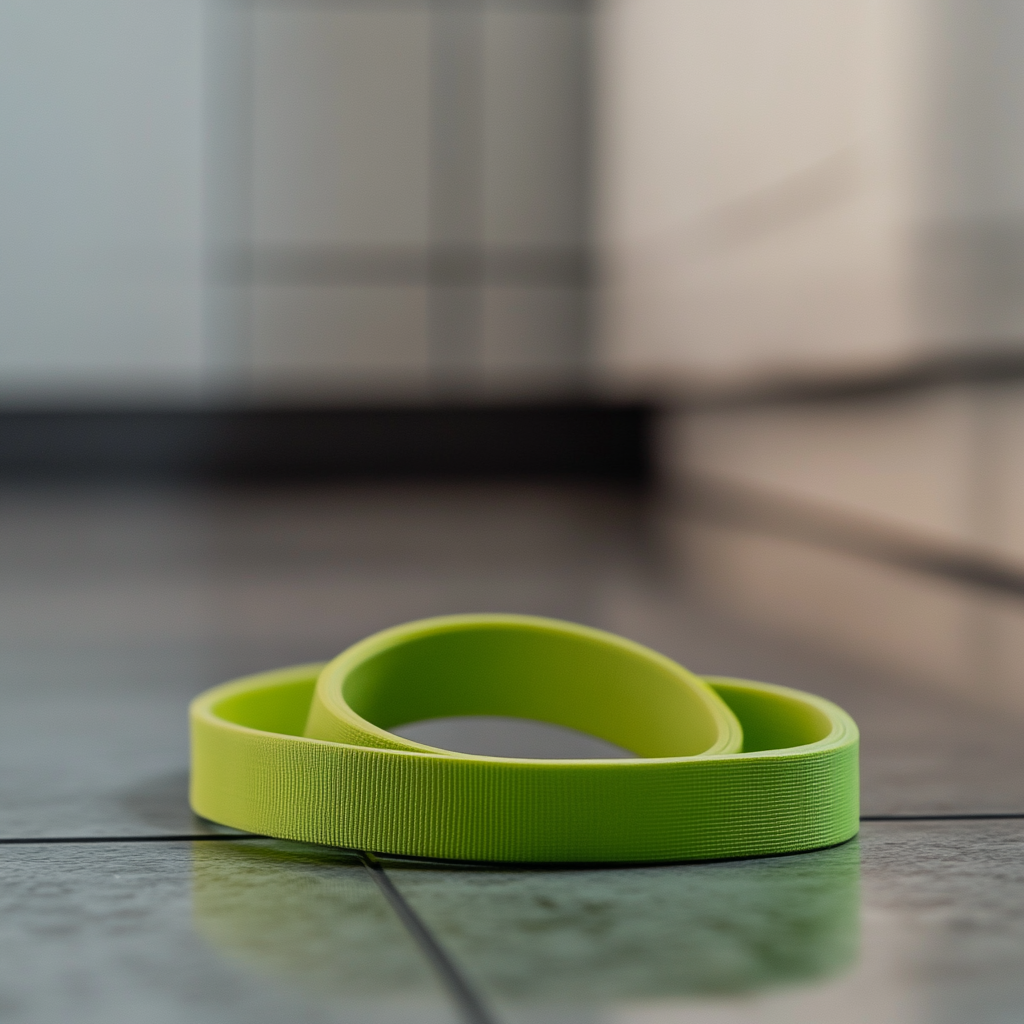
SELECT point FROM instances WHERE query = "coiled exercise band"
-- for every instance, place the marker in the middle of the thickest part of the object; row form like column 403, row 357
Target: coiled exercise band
column 726, row 767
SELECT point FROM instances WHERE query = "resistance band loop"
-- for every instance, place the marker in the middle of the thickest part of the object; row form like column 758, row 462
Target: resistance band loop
column 725, row 767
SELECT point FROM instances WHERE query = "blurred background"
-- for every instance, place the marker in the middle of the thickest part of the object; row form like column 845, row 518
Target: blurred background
column 760, row 265
column 335, row 202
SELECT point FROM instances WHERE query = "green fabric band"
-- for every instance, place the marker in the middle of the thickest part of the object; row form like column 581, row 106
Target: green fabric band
column 726, row 767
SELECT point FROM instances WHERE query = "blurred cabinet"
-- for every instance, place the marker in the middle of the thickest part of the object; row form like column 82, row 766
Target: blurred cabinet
column 808, row 187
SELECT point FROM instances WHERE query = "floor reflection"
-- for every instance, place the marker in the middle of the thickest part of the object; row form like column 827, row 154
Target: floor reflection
column 565, row 939
column 608, row 935
column 308, row 917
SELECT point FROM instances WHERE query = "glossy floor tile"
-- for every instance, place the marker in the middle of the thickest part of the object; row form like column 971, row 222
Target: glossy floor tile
column 581, row 944
column 119, row 605
column 912, row 922
column 169, row 932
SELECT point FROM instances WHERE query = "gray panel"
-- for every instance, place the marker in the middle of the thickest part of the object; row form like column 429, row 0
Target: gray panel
column 340, row 107
column 326, row 338
column 457, row 69
column 536, row 126
column 537, row 332
column 455, row 183
column 455, row 326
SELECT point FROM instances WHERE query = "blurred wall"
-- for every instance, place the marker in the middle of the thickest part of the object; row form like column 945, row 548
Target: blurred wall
column 101, row 196
column 808, row 187
column 324, row 199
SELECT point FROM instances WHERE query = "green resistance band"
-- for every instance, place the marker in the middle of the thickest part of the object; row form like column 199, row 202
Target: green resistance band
column 725, row 767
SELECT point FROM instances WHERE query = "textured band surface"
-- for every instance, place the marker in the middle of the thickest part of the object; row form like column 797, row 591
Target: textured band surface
column 730, row 768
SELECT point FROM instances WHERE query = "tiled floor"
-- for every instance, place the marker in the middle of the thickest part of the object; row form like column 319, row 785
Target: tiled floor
column 118, row 605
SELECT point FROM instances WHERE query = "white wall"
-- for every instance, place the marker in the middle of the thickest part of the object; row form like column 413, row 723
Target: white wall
column 101, row 116
column 808, row 187
column 223, row 198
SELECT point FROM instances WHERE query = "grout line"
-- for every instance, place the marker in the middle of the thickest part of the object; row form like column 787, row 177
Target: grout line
column 984, row 816
column 232, row 838
column 473, row 1009
column 15, row 841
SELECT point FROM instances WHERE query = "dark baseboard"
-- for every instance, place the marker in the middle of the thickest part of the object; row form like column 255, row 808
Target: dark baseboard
column 573, row 440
